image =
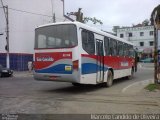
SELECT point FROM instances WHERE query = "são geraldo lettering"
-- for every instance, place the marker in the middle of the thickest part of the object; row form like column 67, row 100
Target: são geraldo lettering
column 48, row 59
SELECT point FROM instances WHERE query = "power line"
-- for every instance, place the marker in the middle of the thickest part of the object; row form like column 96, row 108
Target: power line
column 3, row 9
column 32, row 13
column 28, row 12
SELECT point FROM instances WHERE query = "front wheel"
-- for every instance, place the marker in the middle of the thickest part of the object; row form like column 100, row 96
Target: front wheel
column 109, row 79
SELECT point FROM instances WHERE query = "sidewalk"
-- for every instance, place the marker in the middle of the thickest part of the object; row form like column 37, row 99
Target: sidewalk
column 22, row 74
column 138, row 87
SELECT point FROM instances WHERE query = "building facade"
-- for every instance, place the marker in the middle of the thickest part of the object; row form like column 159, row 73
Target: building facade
column 24, row 16
column 142, row 37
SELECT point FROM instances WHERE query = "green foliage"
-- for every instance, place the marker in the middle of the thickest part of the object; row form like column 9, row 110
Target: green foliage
column 156, row 9
column 152, row 87
column 145, row 22
column 94, row 20
column 80, row 18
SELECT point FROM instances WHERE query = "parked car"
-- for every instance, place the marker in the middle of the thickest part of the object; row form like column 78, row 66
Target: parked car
column 147, row 60
column 5, row 71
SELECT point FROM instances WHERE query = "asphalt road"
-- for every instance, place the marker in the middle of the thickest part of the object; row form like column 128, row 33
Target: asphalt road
column 25, row 95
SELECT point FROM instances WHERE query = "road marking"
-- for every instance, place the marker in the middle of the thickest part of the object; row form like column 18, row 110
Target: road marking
column 144, row 82
column 143, row 67
column 140, row 65
column 147, row 68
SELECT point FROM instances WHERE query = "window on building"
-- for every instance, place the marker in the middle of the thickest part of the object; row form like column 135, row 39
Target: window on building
column 151, row 43
column 141, row 44
column 141, row 33
column 151, row 33
column 129, row 34
column 121, row 35
column 88, row 42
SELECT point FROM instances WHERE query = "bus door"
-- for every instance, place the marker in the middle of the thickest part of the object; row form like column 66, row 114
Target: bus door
column 100, row 61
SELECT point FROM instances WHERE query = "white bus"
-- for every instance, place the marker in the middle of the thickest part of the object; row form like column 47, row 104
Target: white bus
column 74, row 52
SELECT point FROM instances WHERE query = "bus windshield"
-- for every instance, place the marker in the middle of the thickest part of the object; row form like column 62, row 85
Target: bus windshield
column 56, row 36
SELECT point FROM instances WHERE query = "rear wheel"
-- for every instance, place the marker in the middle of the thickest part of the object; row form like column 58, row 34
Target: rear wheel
column 0, row 74
column 109, row 79
column 76, row 84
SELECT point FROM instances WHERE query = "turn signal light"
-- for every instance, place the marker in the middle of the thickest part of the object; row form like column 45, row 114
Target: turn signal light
column 75, row 65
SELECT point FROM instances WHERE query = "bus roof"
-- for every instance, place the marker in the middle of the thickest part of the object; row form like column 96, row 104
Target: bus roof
column 84, row 26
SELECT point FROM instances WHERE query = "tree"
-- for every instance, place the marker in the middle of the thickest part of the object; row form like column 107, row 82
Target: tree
column 157, row 17
column 155, row 20
column 145, row 22
column 94, row 20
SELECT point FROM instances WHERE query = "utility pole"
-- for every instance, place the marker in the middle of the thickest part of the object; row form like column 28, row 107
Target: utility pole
column 79, row 15
column 5, row 8
column 53, row 13
column 54, row 17
column 7, row 37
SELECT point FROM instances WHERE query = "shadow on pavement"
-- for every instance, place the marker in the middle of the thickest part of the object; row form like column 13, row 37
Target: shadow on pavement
column 84, row 88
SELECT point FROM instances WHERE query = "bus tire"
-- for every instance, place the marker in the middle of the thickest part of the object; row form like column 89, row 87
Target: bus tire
column 76, row 84
column 130, row 77
column 109, row 79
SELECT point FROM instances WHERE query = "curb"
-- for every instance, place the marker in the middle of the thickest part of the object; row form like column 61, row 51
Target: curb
column 137, row 86
column 22, row 74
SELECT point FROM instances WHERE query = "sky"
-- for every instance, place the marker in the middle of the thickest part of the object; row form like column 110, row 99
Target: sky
column 114, row 12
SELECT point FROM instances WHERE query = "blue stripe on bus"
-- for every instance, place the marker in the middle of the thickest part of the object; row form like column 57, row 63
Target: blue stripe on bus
column 88, row 68
column 59, row 69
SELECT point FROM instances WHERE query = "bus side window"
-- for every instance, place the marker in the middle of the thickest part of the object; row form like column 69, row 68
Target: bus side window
column 125, row 49
column 131, row 51
column 120, row 48
column 88, row 42
column 128, row 47
column 110, row 47
column 106, row 45
column 114, row 48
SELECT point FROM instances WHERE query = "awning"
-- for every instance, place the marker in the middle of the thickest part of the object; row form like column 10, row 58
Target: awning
column 148, row 50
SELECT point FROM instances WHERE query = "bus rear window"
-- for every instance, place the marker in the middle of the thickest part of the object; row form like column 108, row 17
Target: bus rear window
column 56, row 36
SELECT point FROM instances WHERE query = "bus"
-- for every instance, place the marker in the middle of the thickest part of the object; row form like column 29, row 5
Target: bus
column 77, row 53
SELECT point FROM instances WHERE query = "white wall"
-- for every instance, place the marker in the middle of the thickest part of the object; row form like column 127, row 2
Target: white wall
column 22, row 25
column 136, row 38
column 2, row 30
